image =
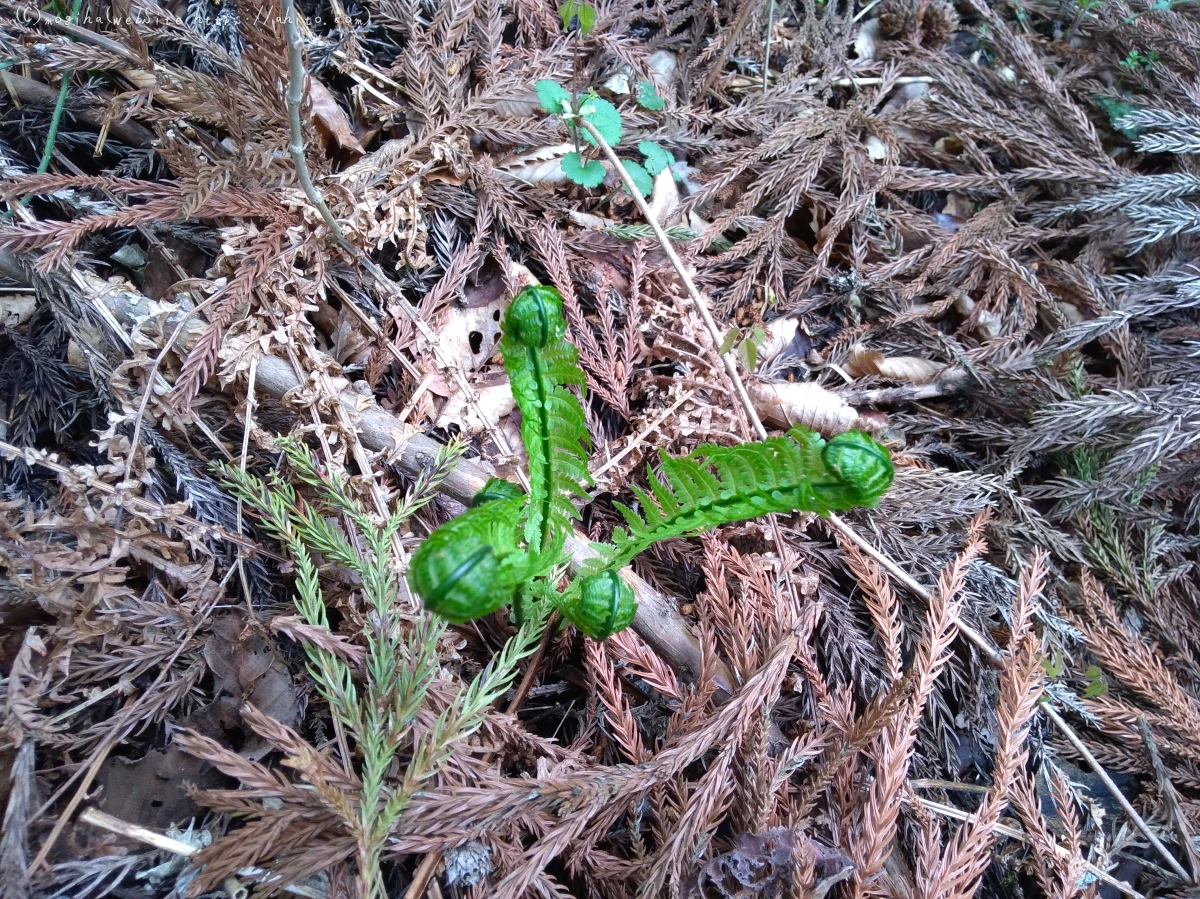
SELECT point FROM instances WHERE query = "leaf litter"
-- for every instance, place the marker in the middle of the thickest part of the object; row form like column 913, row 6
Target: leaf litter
column 964, row 227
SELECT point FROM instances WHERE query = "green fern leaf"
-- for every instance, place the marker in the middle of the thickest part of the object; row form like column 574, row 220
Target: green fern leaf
column 715, row 485
column 541, row 365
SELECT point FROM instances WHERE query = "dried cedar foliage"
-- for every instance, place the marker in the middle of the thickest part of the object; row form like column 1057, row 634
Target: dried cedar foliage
column 995, row 203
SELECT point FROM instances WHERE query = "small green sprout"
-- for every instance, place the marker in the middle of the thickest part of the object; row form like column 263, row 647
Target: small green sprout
column 577, row 15
column 1097, row 685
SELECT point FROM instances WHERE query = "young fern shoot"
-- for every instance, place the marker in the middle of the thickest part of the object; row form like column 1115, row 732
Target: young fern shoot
column 541, row 366
column 507, row 545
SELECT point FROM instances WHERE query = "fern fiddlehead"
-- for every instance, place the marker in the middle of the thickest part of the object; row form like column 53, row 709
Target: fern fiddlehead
column 471, row 565
column 475, row 563
column 541, row 365
column 716, row 485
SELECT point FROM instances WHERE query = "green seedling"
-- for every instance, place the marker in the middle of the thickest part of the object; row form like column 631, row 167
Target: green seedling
column 601, row 115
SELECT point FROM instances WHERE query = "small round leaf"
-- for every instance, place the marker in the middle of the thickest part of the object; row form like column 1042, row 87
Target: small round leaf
column 648, row 98
column 657, row 158
column 640, row 177
column 602, row 116
column 554, row 98
column 588, row 175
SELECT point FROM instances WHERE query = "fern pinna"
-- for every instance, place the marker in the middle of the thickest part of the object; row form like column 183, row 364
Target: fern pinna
column 507, row 545
column 716, row 485
column 541, row 365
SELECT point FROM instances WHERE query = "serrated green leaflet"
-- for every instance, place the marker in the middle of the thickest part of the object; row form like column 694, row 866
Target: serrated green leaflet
column 604, row 117
column 589, row 175
column 553, row 96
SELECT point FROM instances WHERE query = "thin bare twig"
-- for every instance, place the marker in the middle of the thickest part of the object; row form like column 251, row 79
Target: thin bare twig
column 1171, row 798
column 295, row 97
column 1095, row 765
column 1012, row 833
column 702, row 307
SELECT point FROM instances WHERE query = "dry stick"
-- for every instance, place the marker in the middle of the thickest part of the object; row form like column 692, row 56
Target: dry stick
column 30, row 91
column 1095, row 765
column 966, row 630
column 1171, row 798
column 152, row 377
column 104, row 821
column 295, row 96
column 950, row 811
column 646, row 432
column 374, row 330
column 693, row 292
column 702, row 307
column 435, row 345
column 428, row 864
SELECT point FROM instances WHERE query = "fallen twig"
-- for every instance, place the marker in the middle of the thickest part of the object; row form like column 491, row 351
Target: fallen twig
column 104, row 821
column 295, row 96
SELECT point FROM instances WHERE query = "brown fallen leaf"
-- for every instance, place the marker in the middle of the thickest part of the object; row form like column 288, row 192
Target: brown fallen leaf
column 245, row 666
column 329, row 119
column 783, row 404
column 914, row 369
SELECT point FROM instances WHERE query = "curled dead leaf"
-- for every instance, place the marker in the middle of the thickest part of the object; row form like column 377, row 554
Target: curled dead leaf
column 915, row 370
column 540, row 166
column 783, row 404
column 331, row 122
column 517, row 106
column 781, row 334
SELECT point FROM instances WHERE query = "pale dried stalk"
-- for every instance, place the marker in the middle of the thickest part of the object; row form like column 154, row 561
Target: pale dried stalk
column 702, row 307
column 698, row 300
column 105, row 821
column 295, row 97
column 658, row 621
column 1170, row 798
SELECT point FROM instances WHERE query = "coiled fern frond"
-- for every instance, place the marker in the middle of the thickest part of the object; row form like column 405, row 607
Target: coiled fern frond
column 716, row 485
column 541, row 365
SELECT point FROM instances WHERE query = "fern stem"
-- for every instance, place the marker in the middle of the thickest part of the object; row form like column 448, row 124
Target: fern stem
column 295, row 96
column 547, row 450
